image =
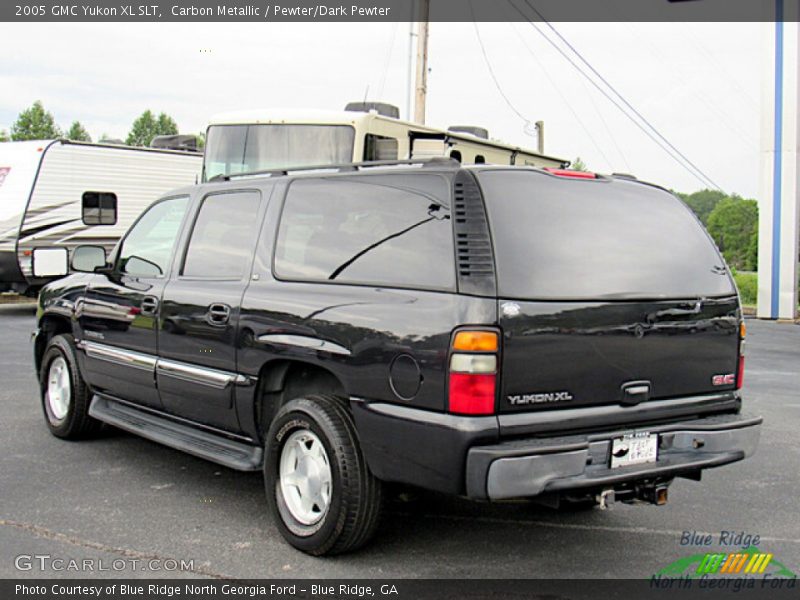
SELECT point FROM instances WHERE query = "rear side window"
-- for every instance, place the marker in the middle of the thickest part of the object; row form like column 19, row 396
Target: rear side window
column 223, row 236
column 99, row 208
column 374, row 230
column 565, row 239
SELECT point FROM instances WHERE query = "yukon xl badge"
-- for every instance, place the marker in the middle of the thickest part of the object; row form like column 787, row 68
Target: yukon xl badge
column 545, row 397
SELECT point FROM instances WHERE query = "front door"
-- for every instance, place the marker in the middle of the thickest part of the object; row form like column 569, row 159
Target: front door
column 196, row 370
column 119, row 311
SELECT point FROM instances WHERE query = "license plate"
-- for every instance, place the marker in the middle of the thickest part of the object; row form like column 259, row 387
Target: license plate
column 634, row 449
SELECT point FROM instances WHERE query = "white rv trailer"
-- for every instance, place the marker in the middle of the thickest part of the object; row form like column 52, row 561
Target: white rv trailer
column 57, row 194
column 263, row 140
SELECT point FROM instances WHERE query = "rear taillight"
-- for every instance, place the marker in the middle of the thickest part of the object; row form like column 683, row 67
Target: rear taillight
column 473, row 373
column 740, row 367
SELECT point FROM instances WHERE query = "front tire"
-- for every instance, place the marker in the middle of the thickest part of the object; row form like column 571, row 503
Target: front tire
column 65, row 396
column 319, row 488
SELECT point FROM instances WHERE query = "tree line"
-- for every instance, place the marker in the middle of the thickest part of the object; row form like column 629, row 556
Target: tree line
column 36, row 123
column 733, row 223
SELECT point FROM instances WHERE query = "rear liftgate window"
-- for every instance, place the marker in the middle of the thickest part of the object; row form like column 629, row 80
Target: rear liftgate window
column 376, row 230
column 569, row 239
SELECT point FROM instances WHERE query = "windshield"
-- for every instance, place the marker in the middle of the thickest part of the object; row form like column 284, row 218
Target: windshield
column 592, row 240
column 232, row 149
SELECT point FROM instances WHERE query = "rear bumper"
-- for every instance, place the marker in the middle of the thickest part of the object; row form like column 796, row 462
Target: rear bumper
column 525, row 468
column 467, row 455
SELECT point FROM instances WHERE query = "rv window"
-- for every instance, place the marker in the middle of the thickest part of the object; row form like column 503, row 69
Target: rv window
column 455, row 154
column 479, row 159
column 223, row 236
column 371, row 230
column 232, row 149
column 99, row 208
column 378, row 147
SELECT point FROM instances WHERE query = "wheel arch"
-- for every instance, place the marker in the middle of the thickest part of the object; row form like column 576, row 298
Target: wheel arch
column 282, row 380
column 49, row 326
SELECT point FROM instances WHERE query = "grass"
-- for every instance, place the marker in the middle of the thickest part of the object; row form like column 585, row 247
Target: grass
column 747, row 282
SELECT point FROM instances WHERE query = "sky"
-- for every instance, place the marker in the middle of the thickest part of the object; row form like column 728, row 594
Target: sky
column 699, row 84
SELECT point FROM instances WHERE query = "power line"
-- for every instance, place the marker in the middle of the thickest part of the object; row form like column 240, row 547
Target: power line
column 611, row 135
column 662, row 142
column 388, row 60
column 717, row 110
column 511, row 105
column 564, row 99
column 494, row 77
column 620, row 96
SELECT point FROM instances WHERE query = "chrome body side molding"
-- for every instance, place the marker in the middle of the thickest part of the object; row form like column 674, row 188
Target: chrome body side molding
column 200, row 375
column 118, row 356
column 191, row 373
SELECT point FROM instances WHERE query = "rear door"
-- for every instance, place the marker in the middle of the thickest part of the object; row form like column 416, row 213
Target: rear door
column 197, row 343
column 610, row 292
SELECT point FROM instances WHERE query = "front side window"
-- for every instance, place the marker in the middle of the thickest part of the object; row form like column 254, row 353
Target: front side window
column 223, row 236
column 99, row 208
column 147, row 248
column 378, row 230
column 232, row 149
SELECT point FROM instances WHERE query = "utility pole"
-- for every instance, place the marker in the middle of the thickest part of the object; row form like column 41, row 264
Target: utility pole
column 421, row 86
column 410, row 70
column 540, row 136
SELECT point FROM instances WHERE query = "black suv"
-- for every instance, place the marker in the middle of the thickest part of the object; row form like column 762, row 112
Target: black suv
column 492, row 332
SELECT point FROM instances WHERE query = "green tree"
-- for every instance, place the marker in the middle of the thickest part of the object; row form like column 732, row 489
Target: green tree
column 578, row 164
column 35, row 123
column 3, row 135
column 201, row 140
column 752, row 252
column 167, row 125
column 703, row 202
column 148, row 126
column 78, row 133
column 733, row 223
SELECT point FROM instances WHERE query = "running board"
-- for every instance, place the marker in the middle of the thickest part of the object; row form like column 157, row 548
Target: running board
column 216, row 448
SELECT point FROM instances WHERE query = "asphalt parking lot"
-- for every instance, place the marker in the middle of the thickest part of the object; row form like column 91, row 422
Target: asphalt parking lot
column 123, row 497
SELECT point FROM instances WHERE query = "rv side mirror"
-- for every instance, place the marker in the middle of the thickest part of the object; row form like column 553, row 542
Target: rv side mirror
column 85, row 259
column 49, row 262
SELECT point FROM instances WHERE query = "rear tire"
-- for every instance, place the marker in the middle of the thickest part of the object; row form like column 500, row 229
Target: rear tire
column 321, row 493
column 65, row 396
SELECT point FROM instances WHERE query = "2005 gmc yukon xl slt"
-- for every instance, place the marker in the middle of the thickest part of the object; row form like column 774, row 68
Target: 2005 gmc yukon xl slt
column 493, row 332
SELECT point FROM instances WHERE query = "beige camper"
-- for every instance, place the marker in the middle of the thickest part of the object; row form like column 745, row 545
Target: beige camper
column 264, row 140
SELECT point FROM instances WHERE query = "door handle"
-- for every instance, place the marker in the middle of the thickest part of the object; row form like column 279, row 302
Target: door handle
column 218, row 314
column 149, row 305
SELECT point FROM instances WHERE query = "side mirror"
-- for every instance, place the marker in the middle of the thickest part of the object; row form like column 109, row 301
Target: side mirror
column 85, row 259
column 49, row 262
